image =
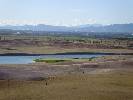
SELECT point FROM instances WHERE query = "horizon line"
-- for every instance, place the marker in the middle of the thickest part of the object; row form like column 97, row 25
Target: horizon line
column 61, row 25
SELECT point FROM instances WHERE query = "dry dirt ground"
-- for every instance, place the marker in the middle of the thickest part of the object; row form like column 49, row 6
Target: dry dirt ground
column 41, row 47
column 107, row 64
column 104, row 78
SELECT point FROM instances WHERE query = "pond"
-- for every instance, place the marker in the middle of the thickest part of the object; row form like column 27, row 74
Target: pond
column 29, row 59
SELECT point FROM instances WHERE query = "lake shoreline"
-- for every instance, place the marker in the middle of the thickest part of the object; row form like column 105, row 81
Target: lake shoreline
column 69, row 53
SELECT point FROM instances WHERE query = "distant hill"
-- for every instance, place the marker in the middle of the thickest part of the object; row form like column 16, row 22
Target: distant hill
column 81, row 28
column 107, row 28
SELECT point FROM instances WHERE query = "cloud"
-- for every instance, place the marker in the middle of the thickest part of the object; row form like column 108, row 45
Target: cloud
column 61, row 22
column 21, row 22
column 79, row 21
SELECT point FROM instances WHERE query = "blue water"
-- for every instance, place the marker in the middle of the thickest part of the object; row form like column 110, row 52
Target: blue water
column 29, row 59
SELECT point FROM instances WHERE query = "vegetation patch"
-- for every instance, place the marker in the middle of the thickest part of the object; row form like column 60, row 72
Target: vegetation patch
column 50, row 60
column 55, row 60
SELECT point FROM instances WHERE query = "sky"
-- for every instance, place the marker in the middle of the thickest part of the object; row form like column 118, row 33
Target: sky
column 66, row 12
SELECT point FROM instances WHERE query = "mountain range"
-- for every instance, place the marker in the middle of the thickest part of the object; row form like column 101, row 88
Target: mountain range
column 80, row 28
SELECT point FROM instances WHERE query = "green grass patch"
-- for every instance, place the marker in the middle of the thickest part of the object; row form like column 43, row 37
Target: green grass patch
column 55, row 60
column 50, row 60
